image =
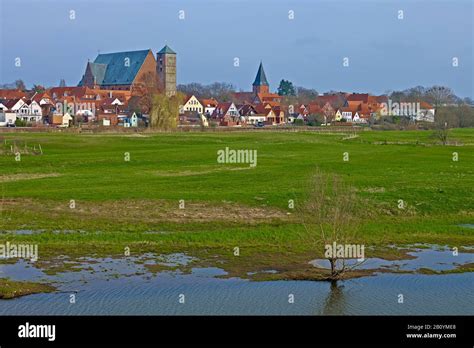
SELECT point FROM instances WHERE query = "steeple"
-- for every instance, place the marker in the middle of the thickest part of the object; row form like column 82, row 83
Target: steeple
column 260, row 85
column 260, row 79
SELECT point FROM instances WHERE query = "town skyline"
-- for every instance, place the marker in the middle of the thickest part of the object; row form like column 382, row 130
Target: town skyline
column 318, row 63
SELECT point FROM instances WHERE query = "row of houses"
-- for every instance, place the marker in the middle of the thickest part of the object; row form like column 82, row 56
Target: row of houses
column 247, row 108
column 352, row 108
column 262, row 107
column 60, row 106
column 362, row 108
column 230, row 113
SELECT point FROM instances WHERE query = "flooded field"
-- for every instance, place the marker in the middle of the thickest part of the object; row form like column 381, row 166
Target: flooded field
column 128, row 286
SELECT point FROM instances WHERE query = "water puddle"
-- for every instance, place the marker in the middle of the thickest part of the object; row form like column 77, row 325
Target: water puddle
column 439, row 259
column 108, row 286
column 467, row 225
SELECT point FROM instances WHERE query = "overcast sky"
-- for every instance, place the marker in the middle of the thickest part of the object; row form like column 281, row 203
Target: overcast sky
column 385, row 53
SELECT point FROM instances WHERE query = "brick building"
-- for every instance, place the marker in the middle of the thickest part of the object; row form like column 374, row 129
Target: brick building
column 132, row 71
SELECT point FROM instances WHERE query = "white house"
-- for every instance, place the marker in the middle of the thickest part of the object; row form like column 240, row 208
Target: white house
column 356, row 118
column 426, row 113
column 209, row 105
column 254, row 119
column 134, row 120
column 66, row 121
column 226, row 109
column 42, row 98
column 193, row 105
column 17, row 106
column 116, row 101
column 7, row 118
column 347, row 115
column 26, row 110
column 34, row 107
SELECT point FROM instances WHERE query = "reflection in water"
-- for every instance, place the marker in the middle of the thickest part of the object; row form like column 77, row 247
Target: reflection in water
column 335, row 301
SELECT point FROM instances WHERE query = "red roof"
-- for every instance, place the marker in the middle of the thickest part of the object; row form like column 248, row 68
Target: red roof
column 9, row 103
column 209, row 102
column 264, row 96
column 39, row 96
column 244, row 97
column 328, row 98
column 363, row 97
column 84, row 93
column 264, row 109
column 12, row 94
column 350, row 109
column 314, row 108
column 247, row 109
column 425, row 105
column 374, row 99
column 221, row 109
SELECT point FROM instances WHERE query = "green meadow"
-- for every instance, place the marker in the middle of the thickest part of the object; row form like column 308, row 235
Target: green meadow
column 82, row 196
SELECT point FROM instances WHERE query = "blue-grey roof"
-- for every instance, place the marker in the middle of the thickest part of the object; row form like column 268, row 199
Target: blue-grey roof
column 121, row 67
column 98, row 70
column 167, row 50
column 260, row 79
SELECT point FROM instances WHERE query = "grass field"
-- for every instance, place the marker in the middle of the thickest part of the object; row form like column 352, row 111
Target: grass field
column 135, row 203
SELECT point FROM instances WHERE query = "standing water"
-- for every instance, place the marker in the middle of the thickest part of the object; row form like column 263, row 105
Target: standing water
column 122, row 286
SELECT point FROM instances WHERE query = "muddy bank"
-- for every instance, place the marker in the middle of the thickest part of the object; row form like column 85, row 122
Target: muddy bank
column 11, row 289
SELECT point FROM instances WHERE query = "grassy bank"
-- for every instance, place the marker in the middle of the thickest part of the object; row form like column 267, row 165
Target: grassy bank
column 85, row 198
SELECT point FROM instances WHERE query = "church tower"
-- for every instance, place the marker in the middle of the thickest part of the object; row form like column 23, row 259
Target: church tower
column 166, row 70
column 260, row 85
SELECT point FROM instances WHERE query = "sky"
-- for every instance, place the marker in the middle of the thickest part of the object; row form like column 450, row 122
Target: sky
column 384, row 52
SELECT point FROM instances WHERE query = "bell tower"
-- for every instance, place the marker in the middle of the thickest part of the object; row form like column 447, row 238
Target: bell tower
column 166, row 70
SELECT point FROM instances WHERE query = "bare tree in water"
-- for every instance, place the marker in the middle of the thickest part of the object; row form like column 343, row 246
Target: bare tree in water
column 330, row 216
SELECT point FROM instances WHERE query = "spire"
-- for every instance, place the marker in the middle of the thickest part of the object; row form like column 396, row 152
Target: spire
column 260, row 79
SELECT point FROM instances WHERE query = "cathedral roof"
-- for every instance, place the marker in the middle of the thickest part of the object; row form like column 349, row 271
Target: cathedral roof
column 98, row 70
column 118, row 68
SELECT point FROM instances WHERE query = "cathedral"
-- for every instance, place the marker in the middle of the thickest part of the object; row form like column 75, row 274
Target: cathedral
column 132, row 71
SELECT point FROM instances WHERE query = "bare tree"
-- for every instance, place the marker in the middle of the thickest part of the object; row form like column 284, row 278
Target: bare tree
column 329, row 216
column 306, row 95
column 441, row 132
column 440, row 95
column 328, row 113
column 220, row 91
